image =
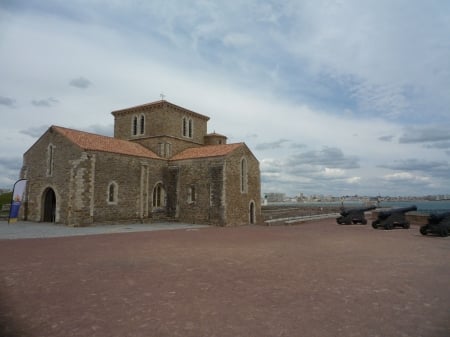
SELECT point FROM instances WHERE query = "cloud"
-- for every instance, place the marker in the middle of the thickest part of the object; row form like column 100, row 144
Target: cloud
column 416, row 165
column 406, row 177
column 7, row 101
column 10, row 168
column 334, row 172
column 353, row 180
column 49, row 102
column 298, row 146
column 329, row 157
column 105, row 130
column 272, row 145
column 236, row 40
column 386, row 138
column 438, row 145
column 308, row 71
column 426, row 134
column 437, row 172
column 35, row 131
column 80, row 82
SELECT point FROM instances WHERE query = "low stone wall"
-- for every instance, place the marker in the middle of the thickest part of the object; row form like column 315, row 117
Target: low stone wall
column 271, row 212
column 275, row 215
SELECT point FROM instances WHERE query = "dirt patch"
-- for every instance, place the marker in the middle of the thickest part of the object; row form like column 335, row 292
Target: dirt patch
column 314, row 279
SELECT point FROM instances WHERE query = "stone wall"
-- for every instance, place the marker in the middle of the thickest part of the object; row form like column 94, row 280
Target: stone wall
column 161, row 120
column 238, row 202
column 200, row 191
column 134, row 177
column 176, row 145
column 35, row 169
column 203, row 190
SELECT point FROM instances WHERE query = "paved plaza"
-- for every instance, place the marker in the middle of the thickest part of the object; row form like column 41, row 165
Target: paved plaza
column 316, row 279
column 32, row 230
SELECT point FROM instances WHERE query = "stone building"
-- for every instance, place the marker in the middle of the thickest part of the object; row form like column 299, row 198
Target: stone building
column 160, row 165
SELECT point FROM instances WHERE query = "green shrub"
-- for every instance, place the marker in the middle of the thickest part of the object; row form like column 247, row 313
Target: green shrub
column 5, row 198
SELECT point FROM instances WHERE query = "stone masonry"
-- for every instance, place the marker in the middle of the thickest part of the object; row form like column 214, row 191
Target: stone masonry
column 160, row 165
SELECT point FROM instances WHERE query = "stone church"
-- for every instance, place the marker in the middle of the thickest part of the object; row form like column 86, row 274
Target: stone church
column 161, row 165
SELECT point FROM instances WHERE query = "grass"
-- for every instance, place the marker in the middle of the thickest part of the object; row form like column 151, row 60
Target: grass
column 5, row 198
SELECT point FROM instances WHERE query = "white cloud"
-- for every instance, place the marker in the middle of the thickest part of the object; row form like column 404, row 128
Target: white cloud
column 80, row 82
column 353, row 180
column 406, row 177
column 333, row 172
column 317, row 89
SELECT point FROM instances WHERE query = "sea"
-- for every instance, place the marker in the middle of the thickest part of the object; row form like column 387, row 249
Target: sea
column 423, row 206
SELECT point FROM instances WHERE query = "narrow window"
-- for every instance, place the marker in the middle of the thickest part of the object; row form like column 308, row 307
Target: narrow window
column 142, row 125
column 190, row 128
column 50, row 159
column 211, row 202
column 191, row 194
column 244, row 175
column 167, row 150
column 112, row 193
column 135, row 125
column 184, row 127
column 158, row 196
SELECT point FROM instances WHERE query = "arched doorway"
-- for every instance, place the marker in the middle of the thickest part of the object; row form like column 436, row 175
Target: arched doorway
column 252, row 212
column 49, row 199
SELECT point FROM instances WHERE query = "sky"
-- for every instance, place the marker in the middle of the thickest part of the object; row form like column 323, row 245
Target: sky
column 345, row 97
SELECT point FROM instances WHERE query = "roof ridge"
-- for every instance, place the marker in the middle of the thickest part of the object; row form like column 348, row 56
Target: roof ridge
column 205, row 151
column 81, row 131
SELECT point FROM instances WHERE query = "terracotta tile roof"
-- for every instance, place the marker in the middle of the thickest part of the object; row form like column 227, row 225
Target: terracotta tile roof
column 93, row 142
column 207, row 151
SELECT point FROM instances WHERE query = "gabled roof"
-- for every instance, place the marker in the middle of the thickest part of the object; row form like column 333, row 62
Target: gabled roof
column 207, row 151
column 157, row 104
column 93, row 142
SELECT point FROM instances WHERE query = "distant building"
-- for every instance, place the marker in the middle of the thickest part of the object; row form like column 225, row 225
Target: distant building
column 274, row 197
column 160, row 165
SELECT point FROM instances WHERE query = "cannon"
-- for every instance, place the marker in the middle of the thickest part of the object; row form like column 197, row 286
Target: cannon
column 353, row 215
column 438, row 223
column 394, row 217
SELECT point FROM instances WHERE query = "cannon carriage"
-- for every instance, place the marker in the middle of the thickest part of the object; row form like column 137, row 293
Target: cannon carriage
column 438, row 223
column 353, row 215
column 392, row 218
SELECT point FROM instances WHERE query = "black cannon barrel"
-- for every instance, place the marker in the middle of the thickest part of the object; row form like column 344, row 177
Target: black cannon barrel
column 385, row 214
column 347, row 211
column 438, row 217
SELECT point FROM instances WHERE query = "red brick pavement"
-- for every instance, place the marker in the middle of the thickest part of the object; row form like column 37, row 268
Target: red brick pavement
column 313, row 279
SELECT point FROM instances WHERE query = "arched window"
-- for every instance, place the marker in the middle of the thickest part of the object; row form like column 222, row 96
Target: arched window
column 112, row 193
column 244, row 175
column 252, row 213
column 159, row 196
column 142, row 125
column 134, row 126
